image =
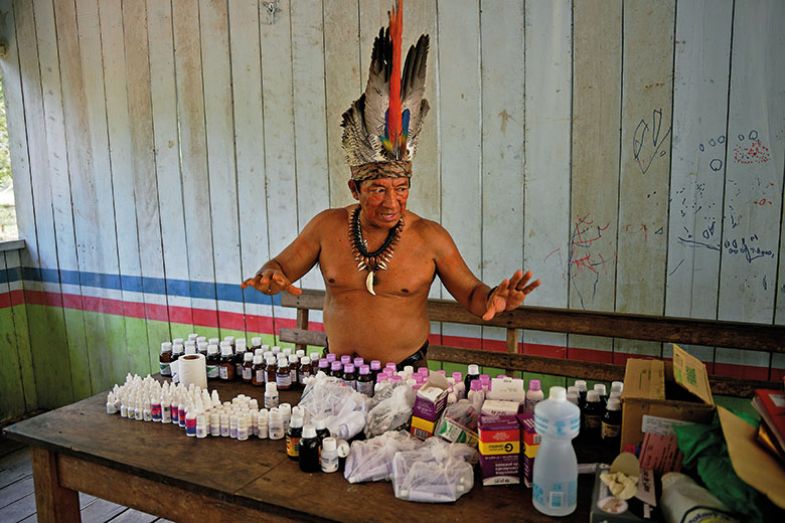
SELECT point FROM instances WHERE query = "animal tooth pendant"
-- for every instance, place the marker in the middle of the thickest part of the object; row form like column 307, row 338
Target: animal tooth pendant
column 369, row 283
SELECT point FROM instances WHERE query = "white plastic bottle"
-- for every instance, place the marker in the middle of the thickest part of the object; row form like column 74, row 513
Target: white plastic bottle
column 271, row 395
column 555, row 475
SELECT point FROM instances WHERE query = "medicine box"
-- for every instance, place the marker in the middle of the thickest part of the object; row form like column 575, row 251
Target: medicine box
column 676, row 390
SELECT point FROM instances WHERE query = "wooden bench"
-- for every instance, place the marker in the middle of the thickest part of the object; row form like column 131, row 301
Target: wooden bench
column 747, row 336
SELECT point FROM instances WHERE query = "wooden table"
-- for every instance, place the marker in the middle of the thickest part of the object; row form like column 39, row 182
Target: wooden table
column 158, row 469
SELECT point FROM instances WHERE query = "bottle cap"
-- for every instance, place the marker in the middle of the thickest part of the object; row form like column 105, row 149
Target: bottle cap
column 190, row 349
column 321, row 424
column 336, row 365
column 557, row 393
column 256, row 341
column 296, row 422
column 391, row 365
column 365, row 370
column 257, row 358
column 329, row 445
column 409, row 369
column 358, row 362
column 330, row 357
column 201, row 344
column 346, row 359
column 473, row 369
column 212, row 349
column 617, row 385
column 376, row 365
column 615, row 394
column 177, row 348
column 271, row 386
column 192, row 336
column 230, row 339
column 314, row 356
column 613, row 404
column 213, row 340
column 475, row 385
column 300, row 353
column 348, row 368
column 485, row 378
column 455, row 375
column 308, row 431
column 581, row 384
column 166, row 347
column 283, row 362
column 286, row 409
column 276, row 349
column 305, row 360
column 592, row 396
column 572, row 388
column 271, row 361
column 324, row 364
column 240, row 342
column 600, row 387
column 177, row 340
column 572, row 397
column 248, row 357
column 535, row 385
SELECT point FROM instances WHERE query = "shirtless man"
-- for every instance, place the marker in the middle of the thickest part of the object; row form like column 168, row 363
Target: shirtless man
column 392, row 325
column 378, row 275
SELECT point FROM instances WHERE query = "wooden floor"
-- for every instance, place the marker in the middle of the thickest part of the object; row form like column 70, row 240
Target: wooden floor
column 17, row 494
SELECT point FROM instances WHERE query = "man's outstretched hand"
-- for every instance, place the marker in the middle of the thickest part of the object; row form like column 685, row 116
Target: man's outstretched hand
column 271, row 281
column 509, row 294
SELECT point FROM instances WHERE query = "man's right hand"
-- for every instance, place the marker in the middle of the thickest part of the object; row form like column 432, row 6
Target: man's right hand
column 271, row 281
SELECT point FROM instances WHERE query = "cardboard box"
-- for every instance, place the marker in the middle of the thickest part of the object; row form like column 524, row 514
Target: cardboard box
column 454, row 432
column 507, row 389
column 421, row 428
column 499, row 435
column 530, row 441
column 500, row 407
column 431, row 399
column 500, row 470
column 678, row 391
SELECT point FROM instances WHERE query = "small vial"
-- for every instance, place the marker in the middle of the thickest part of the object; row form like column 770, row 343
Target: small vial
column 166, row 410
column 110, row 408
column 329, row 455
column 262, row 422
column 271, row 395
column 155, row 410
column 190, row 423
column 275, row 425
column 242, row 427
column 224, row 422
column 215, row 423
column 233, row 419
column 201, row 426
column 286, row 414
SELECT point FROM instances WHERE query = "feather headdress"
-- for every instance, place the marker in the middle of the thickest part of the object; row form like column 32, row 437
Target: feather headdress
column 380, row 128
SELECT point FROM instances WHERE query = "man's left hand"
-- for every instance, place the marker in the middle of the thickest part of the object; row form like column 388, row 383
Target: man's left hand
column 509, row 294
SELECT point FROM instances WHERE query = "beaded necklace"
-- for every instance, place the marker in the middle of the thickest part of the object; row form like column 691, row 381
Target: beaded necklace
column 378, row 259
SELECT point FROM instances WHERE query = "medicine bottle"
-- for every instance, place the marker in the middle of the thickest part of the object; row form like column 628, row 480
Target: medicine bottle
column 247, row 367
column 226, row 366
column 270, row 369
column 165, row 359
column 275, row 423
column 349, row 377
column 258, row 371
column 376, row 368
column 201, row 348
column 177, row 351
column 283, row 376
column 600, row 388
column 324, row 366
column 329, row 455
column 230, row 340
column 611, row 423
column 592, row 416
column 473, row 373
column 213, row 362
column 294, row 364
column 270, row 395
column 365, row 381
column 256, row 343
column 335, row 369
column 239, row 360
column 305, row 370
column 322, row 431
column 309, row 450
column 293, row 436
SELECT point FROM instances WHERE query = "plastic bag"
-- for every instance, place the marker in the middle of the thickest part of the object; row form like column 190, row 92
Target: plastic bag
column 437, row 472
column 390, row 413
column 371, row 460
column 342, row 408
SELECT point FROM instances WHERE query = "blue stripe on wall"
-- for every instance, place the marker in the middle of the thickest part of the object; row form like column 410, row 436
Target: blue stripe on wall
column 186, row 288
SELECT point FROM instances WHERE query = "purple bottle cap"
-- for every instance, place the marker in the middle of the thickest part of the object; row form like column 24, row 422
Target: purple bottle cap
column 365, row 369
column 336, row 365
column 358, row 362
column 324, row 364
column 423, row 371
column 534, row 385
column 388, row 371
column 348, row 368
column 376, row 365
column 346, row 359
column 330, row 357
column 457, row 377
column 391, row 365
column 485, row 378
column 396, row 379
column 476, row 385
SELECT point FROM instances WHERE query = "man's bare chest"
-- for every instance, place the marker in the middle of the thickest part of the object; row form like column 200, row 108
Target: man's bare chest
column 410, row 270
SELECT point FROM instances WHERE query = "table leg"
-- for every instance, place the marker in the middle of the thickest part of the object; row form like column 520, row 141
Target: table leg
column 53, row 502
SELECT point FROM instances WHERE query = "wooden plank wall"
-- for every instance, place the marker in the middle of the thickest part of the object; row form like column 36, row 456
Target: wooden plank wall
column 630, row 153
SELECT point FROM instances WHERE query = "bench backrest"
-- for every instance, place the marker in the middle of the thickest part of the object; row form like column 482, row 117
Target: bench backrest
column 755, row 337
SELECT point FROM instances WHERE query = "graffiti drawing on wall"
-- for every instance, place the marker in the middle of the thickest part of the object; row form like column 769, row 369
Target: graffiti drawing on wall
column 586, row 259
column 750, row 149
column 648, row 141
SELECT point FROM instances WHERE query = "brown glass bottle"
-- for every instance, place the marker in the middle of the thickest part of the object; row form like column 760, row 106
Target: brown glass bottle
column 165, row 359
column 226, row 366
column 238, row 361
column 283, row 376
column 305, row 370
column 271, row 370
column 212, row 363
column 247, row 367
column 257, row 378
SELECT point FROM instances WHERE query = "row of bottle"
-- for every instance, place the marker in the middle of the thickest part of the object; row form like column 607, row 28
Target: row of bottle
column 310, row 444
column 600, row 412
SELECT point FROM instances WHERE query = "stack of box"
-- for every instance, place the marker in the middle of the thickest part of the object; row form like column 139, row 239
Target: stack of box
column 500, row 448
column 428, row 406
column 531, row 442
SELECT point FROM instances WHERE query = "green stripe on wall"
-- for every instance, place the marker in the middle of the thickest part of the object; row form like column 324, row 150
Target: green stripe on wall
column 12, row 400
column 51, row 362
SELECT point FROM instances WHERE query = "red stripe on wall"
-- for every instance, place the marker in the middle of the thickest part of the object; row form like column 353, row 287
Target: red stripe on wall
column 592, row 355
column 548, row 351
column 777, row 374
column 5, row 300
column 494, row 345
column 747, row 372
